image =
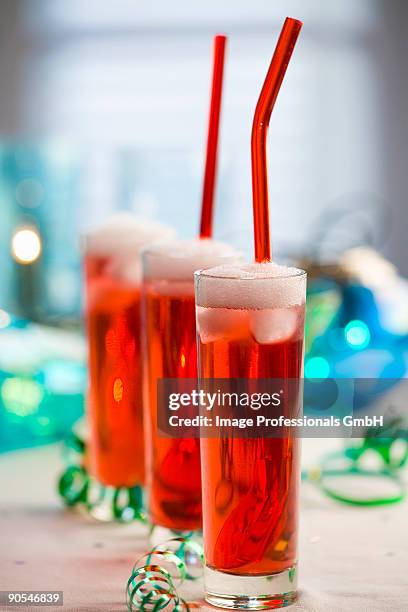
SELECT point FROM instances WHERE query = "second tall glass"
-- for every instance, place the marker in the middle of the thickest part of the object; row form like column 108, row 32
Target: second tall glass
column 173, row 465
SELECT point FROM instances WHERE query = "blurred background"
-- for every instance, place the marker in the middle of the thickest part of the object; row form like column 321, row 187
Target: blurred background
column 103, row 107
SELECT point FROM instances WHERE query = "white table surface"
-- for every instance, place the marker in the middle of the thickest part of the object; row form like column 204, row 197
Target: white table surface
column 350, row 558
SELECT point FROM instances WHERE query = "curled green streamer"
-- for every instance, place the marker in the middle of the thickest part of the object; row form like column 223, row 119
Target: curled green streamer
column 73, row 484
column 382, row 443
column 157, row 575
column 77, row 488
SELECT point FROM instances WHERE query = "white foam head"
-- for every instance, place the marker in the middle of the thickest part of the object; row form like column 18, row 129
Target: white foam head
column 179, row 259
column 251, row 286
column 123, row 234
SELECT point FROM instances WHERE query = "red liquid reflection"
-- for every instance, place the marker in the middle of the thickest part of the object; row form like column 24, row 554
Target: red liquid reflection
column 115, row 394
column 174, row 480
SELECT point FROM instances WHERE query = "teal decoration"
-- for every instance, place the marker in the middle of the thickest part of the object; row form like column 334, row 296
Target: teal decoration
column 77, row 488
column 42, row 383
column 155, row 578
column 347, row 465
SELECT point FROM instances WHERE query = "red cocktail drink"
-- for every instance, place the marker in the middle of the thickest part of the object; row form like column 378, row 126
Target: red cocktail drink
column 113, row 297
column 173, row 465
column 250, row 325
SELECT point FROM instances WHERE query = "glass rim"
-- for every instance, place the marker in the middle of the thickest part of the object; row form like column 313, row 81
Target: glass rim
column 154, row 249
column 298, row 273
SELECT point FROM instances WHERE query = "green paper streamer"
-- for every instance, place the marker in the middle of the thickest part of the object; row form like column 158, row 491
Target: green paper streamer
column 380, row 441
column 155, row 577
column 77, row 488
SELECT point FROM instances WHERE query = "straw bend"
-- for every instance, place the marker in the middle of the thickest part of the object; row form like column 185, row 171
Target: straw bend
column 264, row 107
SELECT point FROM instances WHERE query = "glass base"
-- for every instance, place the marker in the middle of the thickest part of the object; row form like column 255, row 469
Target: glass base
column 115, row 504
column 159, row 535
column 237, row 592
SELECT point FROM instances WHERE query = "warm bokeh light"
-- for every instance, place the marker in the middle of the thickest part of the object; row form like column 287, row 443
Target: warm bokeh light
column 21, row 396
column 118, row 390
column 26, row 246
column 5, row 319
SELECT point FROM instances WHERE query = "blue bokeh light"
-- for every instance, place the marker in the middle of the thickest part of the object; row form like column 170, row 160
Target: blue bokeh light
column 357, row 335
column 317, row 367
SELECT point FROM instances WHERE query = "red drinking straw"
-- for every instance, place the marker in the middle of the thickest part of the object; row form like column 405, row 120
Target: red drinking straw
column 264, row 107
column 219, row 42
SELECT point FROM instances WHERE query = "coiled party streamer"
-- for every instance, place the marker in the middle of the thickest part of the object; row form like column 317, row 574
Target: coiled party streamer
column 157, row 575
column 77, row 488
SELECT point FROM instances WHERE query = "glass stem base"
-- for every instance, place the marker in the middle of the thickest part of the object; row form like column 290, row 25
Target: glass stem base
column 115, row 504
column 250, row 592
column 159, row 535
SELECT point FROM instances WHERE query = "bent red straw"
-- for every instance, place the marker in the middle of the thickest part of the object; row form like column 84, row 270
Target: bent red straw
column 264, row 107
column 212, row 138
